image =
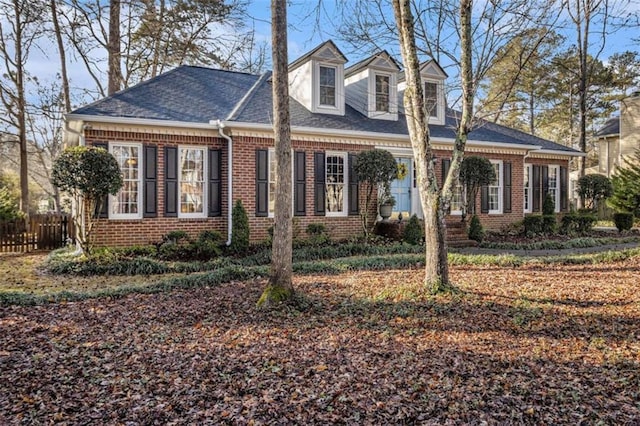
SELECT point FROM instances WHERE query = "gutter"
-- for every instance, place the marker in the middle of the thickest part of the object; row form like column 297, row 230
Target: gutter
column 221, row 132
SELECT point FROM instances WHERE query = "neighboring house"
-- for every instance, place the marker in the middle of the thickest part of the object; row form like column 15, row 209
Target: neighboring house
column 194, row 140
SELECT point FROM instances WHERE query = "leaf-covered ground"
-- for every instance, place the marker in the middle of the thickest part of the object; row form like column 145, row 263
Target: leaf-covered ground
column 538, row 345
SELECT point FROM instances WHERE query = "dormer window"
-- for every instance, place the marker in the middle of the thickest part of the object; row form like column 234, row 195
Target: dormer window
column 382, row 93
column 327, row 86
column 431, row 98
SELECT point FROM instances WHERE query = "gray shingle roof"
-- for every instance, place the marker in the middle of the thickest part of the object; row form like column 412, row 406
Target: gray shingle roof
column 610, row 128
column 187, row 93
column 198, row 95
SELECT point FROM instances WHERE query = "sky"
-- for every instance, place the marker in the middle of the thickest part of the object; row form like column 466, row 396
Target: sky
column 304, row 34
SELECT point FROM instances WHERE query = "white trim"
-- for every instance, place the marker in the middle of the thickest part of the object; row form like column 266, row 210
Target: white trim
column 500, row 186
column 392, row 110
column 139, row 121
column 345, row 194
column 205, row 171
column 221, row 132
column 529, row 208
column 556, row 188
column 317, row 107
column 139, row 201
column 271, row 154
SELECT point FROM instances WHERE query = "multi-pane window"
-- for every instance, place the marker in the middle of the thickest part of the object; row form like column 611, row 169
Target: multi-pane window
column 192, row 175
column 431, row 98
column 327, row 86
column 335, row 183
column 382, row 93
column 456, row 199
column 127, row 203
column 495, row 189
column 554, row 172
column 528, row 188
column 272, row 182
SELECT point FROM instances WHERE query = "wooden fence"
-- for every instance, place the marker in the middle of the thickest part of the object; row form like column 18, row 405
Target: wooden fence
column 45, row 232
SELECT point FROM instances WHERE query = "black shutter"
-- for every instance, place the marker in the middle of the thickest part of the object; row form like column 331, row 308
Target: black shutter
column 319, row 182
column 484, row 199
column 150, row 195
column 544, row 171
column 354, row 200
column 506, row 194
column 536, row 188
column 564, row 189
column 215, row 182
column 102, row 210
column 170, row 181
column 262, row 183
column 446, row 164
column 300, row 183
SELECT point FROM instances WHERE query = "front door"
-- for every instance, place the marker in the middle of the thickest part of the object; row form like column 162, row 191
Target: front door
column 401, row 188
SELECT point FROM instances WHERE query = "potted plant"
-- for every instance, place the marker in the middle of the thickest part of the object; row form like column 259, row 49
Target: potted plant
column 387, row 201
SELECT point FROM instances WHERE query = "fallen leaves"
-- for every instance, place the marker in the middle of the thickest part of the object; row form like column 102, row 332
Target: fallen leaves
column 555, row 345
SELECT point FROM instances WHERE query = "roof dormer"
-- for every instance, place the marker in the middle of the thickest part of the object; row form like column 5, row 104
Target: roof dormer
column 433, row 77
column 316, row 80
column 371, row 86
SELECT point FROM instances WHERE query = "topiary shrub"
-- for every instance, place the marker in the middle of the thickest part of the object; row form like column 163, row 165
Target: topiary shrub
column 413, row 232
column 623, row 221
column 208, row 245
column 593, row 189
column 548, row 206
column 549, row 224
column 476, row 231
column 240, row 229
column 87, row 174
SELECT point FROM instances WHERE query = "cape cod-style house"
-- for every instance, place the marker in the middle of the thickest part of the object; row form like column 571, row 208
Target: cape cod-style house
column 194, row 140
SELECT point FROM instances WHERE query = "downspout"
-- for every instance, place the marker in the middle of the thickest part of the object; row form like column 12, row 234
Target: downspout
column 229, row 180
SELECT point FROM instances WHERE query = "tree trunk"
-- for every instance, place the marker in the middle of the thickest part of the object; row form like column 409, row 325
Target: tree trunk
column 280, row 287
column 22, row 106
column 63, row 59
column 436, row 266
column 113, row 47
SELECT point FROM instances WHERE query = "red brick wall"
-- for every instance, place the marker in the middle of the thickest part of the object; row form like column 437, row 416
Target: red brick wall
column 145, row 231
column 244, row 173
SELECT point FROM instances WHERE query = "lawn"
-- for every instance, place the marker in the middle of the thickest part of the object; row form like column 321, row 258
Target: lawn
column 536, row 343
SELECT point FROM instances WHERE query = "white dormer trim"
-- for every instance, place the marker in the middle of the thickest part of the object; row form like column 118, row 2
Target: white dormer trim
column 316, row 106
column 439, row 117
column 392, row 112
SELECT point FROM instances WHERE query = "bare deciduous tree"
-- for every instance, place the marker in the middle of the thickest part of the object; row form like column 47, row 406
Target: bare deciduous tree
column 280, row 287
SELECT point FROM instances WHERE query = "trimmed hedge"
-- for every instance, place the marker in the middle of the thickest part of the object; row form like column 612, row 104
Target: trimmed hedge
column 539, row 225
column 577, row 224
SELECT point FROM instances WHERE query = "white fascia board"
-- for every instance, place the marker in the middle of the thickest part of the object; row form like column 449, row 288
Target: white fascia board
column 318, row 131
column 140, row 121
column 564, row 153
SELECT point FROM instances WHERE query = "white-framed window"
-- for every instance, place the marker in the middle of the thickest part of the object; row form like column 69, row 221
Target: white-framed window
column 327, row 93
column 431, row 98
column 192, row 170
column 127, row 203
column 272, row 182
column 495, row 189
column 336, row 179
column 457, row 200
column 554, row 188
column 383, row 89
column 527, row 183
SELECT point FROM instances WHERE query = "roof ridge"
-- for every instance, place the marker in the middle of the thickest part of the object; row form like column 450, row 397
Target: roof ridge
column 242, row 103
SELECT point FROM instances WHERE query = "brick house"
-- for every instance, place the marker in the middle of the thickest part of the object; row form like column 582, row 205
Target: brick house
column 194, row 140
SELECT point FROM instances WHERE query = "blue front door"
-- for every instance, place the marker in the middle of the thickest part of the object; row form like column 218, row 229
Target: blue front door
column 401, row 188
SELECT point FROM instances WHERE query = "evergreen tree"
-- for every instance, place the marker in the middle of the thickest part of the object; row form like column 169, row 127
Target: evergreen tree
column 626, row 186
